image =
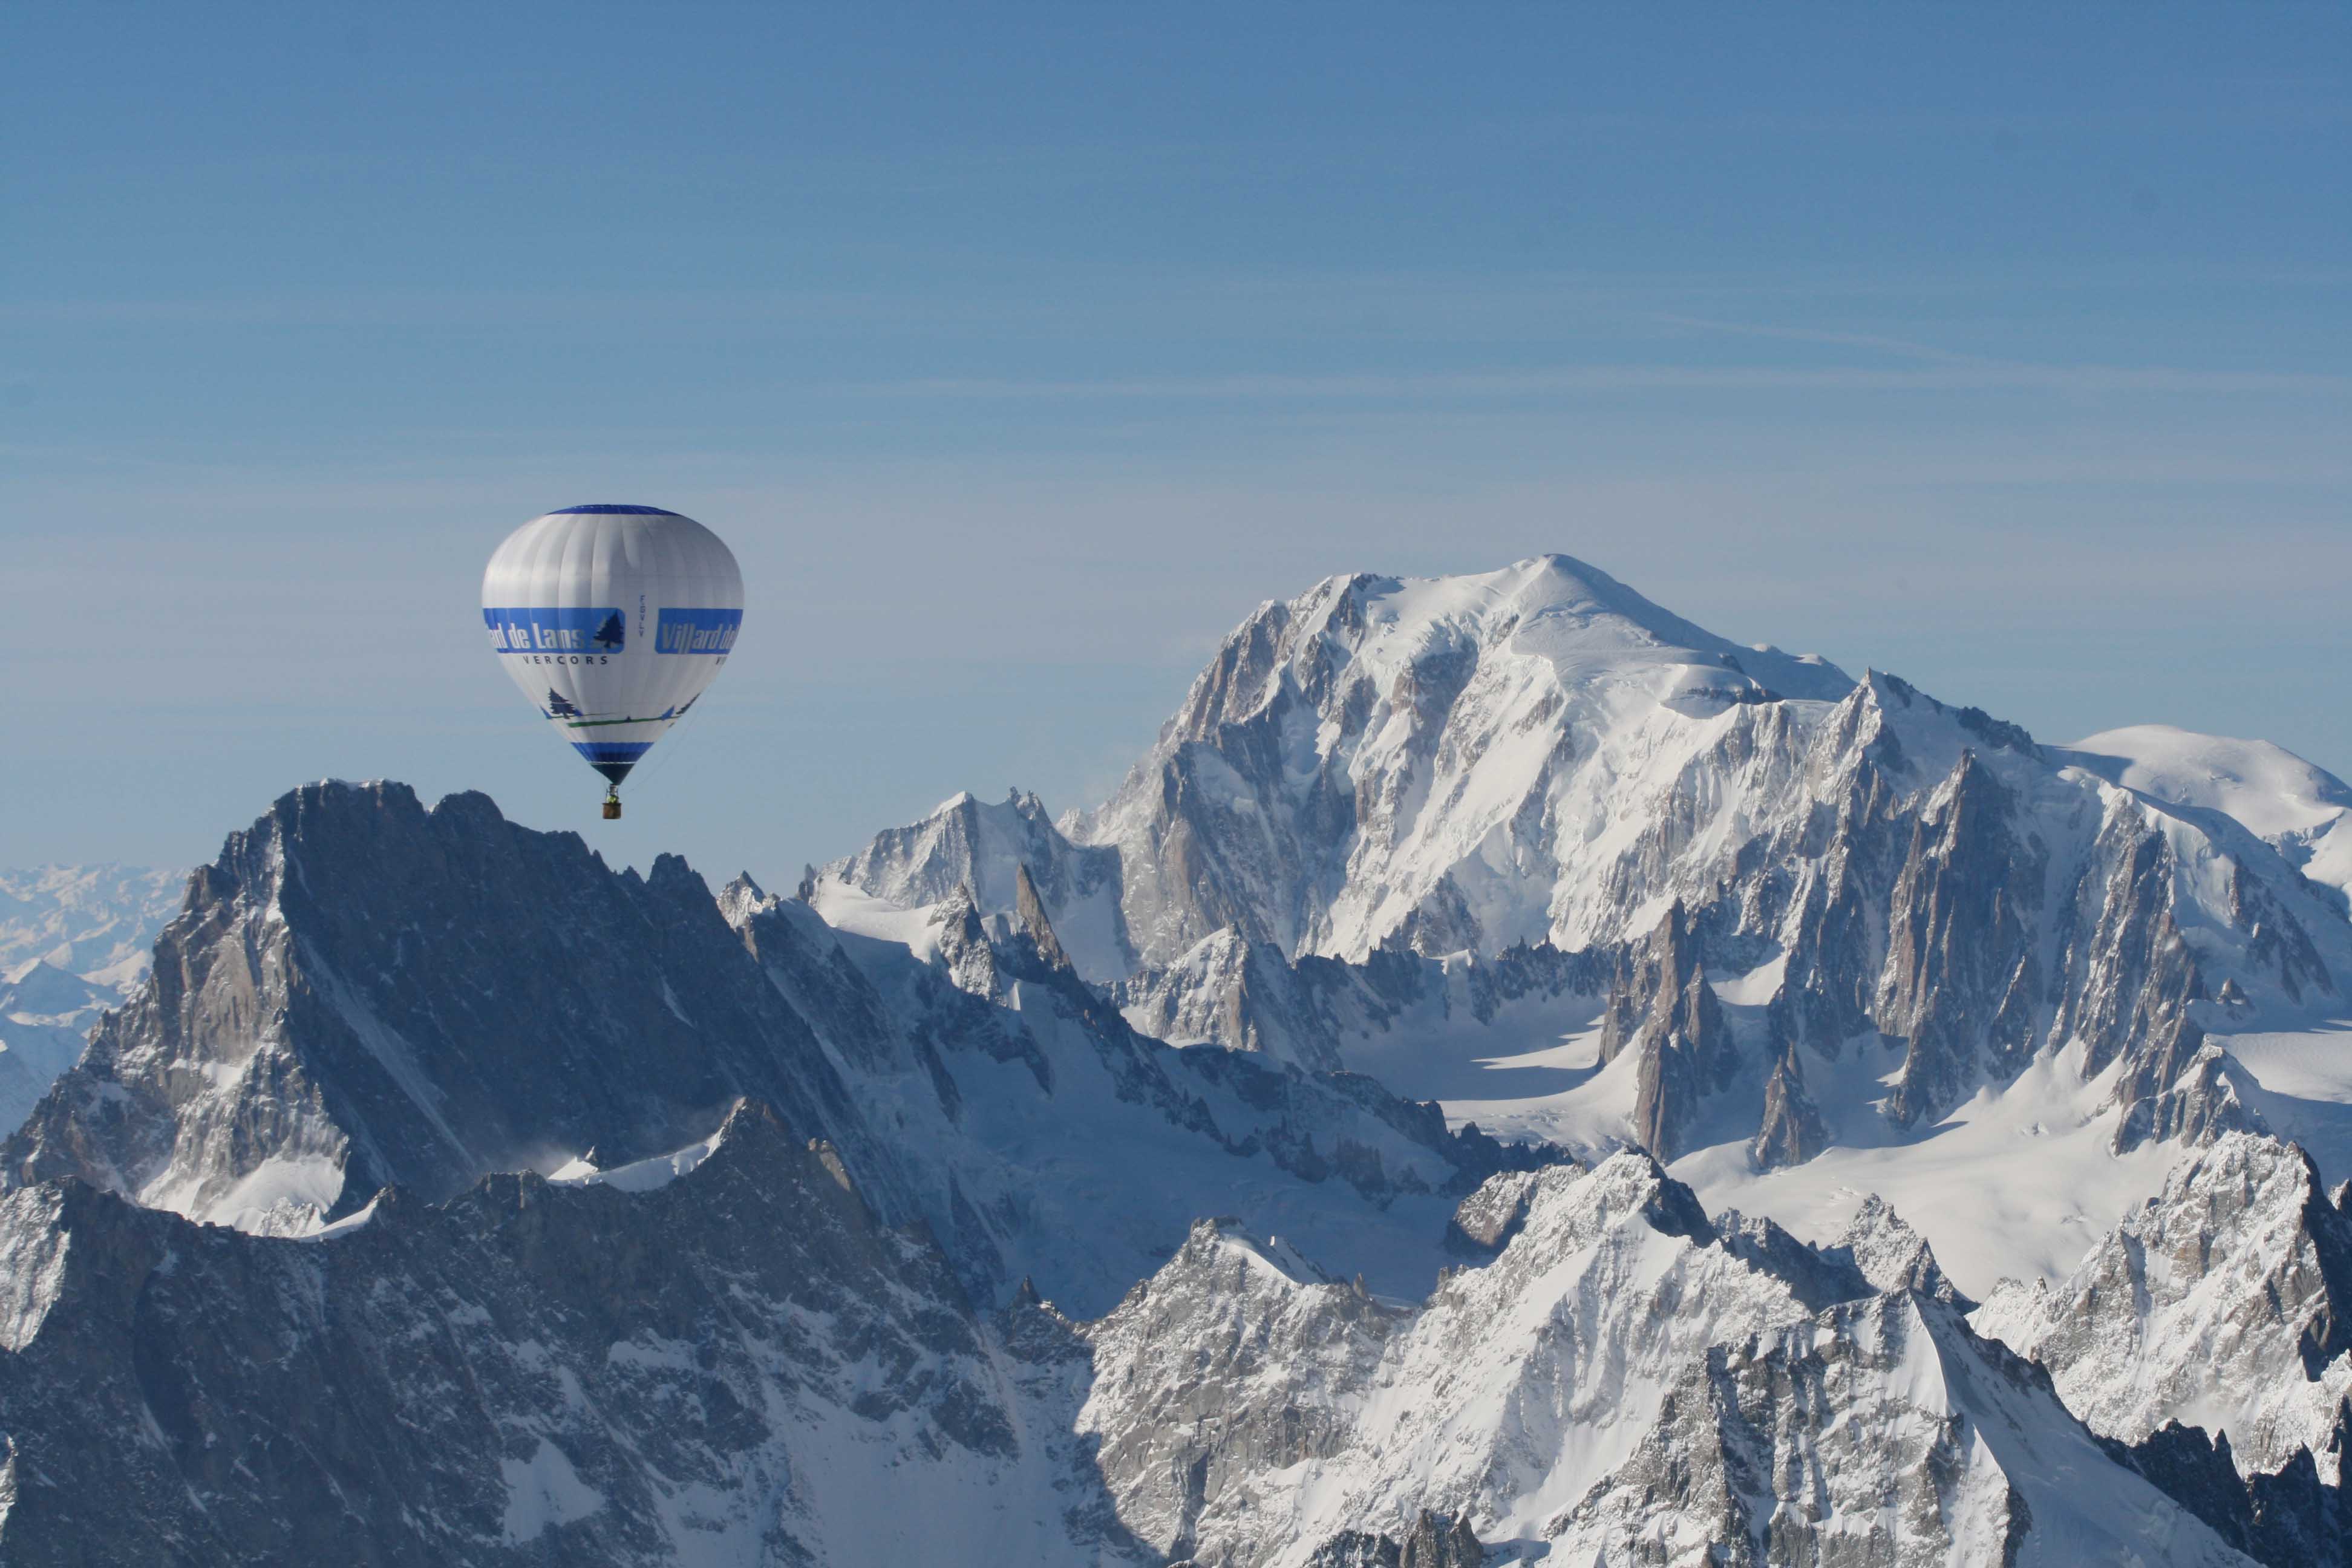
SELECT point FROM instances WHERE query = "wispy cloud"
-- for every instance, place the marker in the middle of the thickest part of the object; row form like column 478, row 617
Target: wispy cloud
column 1904, row 347
column 1953, row 374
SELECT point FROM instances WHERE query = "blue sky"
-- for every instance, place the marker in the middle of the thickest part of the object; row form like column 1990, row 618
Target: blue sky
column 1020, row 351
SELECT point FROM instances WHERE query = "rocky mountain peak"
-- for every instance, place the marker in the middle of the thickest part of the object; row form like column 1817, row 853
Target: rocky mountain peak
column 1030, row 916
column 741, row 898
column 987, row 849
column 1892, row 1256
column 1488, row 1218
column 1661, row 1008
column 302, row 1044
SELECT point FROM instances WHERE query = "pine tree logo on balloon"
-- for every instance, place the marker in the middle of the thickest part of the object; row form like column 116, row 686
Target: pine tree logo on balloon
column 610, row 635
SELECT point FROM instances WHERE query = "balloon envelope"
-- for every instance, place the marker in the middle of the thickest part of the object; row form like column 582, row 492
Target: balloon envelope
column 612, row 619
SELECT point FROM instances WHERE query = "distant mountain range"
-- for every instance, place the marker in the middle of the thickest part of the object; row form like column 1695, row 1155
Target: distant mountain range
column 1352, row 1144
column 74, row 941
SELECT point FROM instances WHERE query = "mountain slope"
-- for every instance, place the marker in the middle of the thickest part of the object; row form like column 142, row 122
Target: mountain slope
column 738, row 1367
column 1627, row 1381
column 361, row 991
column 1390, row 760
column 985, row 848
column 2303, row 811
column 1906, row 912
column 722, row 1357
column 2224, row 1302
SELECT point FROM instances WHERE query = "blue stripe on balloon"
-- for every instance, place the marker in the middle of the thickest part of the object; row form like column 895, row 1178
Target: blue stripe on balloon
column 615, row 510
column 612, row 750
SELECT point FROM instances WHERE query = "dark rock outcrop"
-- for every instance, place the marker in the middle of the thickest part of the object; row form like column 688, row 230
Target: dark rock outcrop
column 1434, row 1541
column 2289, row 1519
column 1661, row 1008
column 528, row 1372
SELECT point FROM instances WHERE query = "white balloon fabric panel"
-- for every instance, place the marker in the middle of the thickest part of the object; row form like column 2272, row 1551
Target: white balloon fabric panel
column 612, row 619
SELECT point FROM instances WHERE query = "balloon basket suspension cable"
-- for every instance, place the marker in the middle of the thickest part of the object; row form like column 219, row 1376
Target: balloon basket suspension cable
column 646, row 773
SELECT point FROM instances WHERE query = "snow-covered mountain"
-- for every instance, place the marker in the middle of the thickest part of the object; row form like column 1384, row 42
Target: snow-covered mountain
column 724, row 1356
column 986, row 849
column 361, row 991
column 1128, row 1188
column 2303, row 811
column 1440, row 764
column 1627, row 1381
column 1779, row 915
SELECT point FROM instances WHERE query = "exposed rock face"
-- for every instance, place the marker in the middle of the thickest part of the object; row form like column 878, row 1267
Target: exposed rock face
column 1489, row 1218
column 1793, row 1131
column 1434, row 1541
column 2289, row 1519
column 1029, row 913
column 721, row 1369
column 363, row 993
column 1661, row 1007
column 2224, row 1302
column 1960, row 971
column 2131, row 975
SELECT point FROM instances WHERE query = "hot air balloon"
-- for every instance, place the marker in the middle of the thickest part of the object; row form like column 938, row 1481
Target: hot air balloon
column 613, row 620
